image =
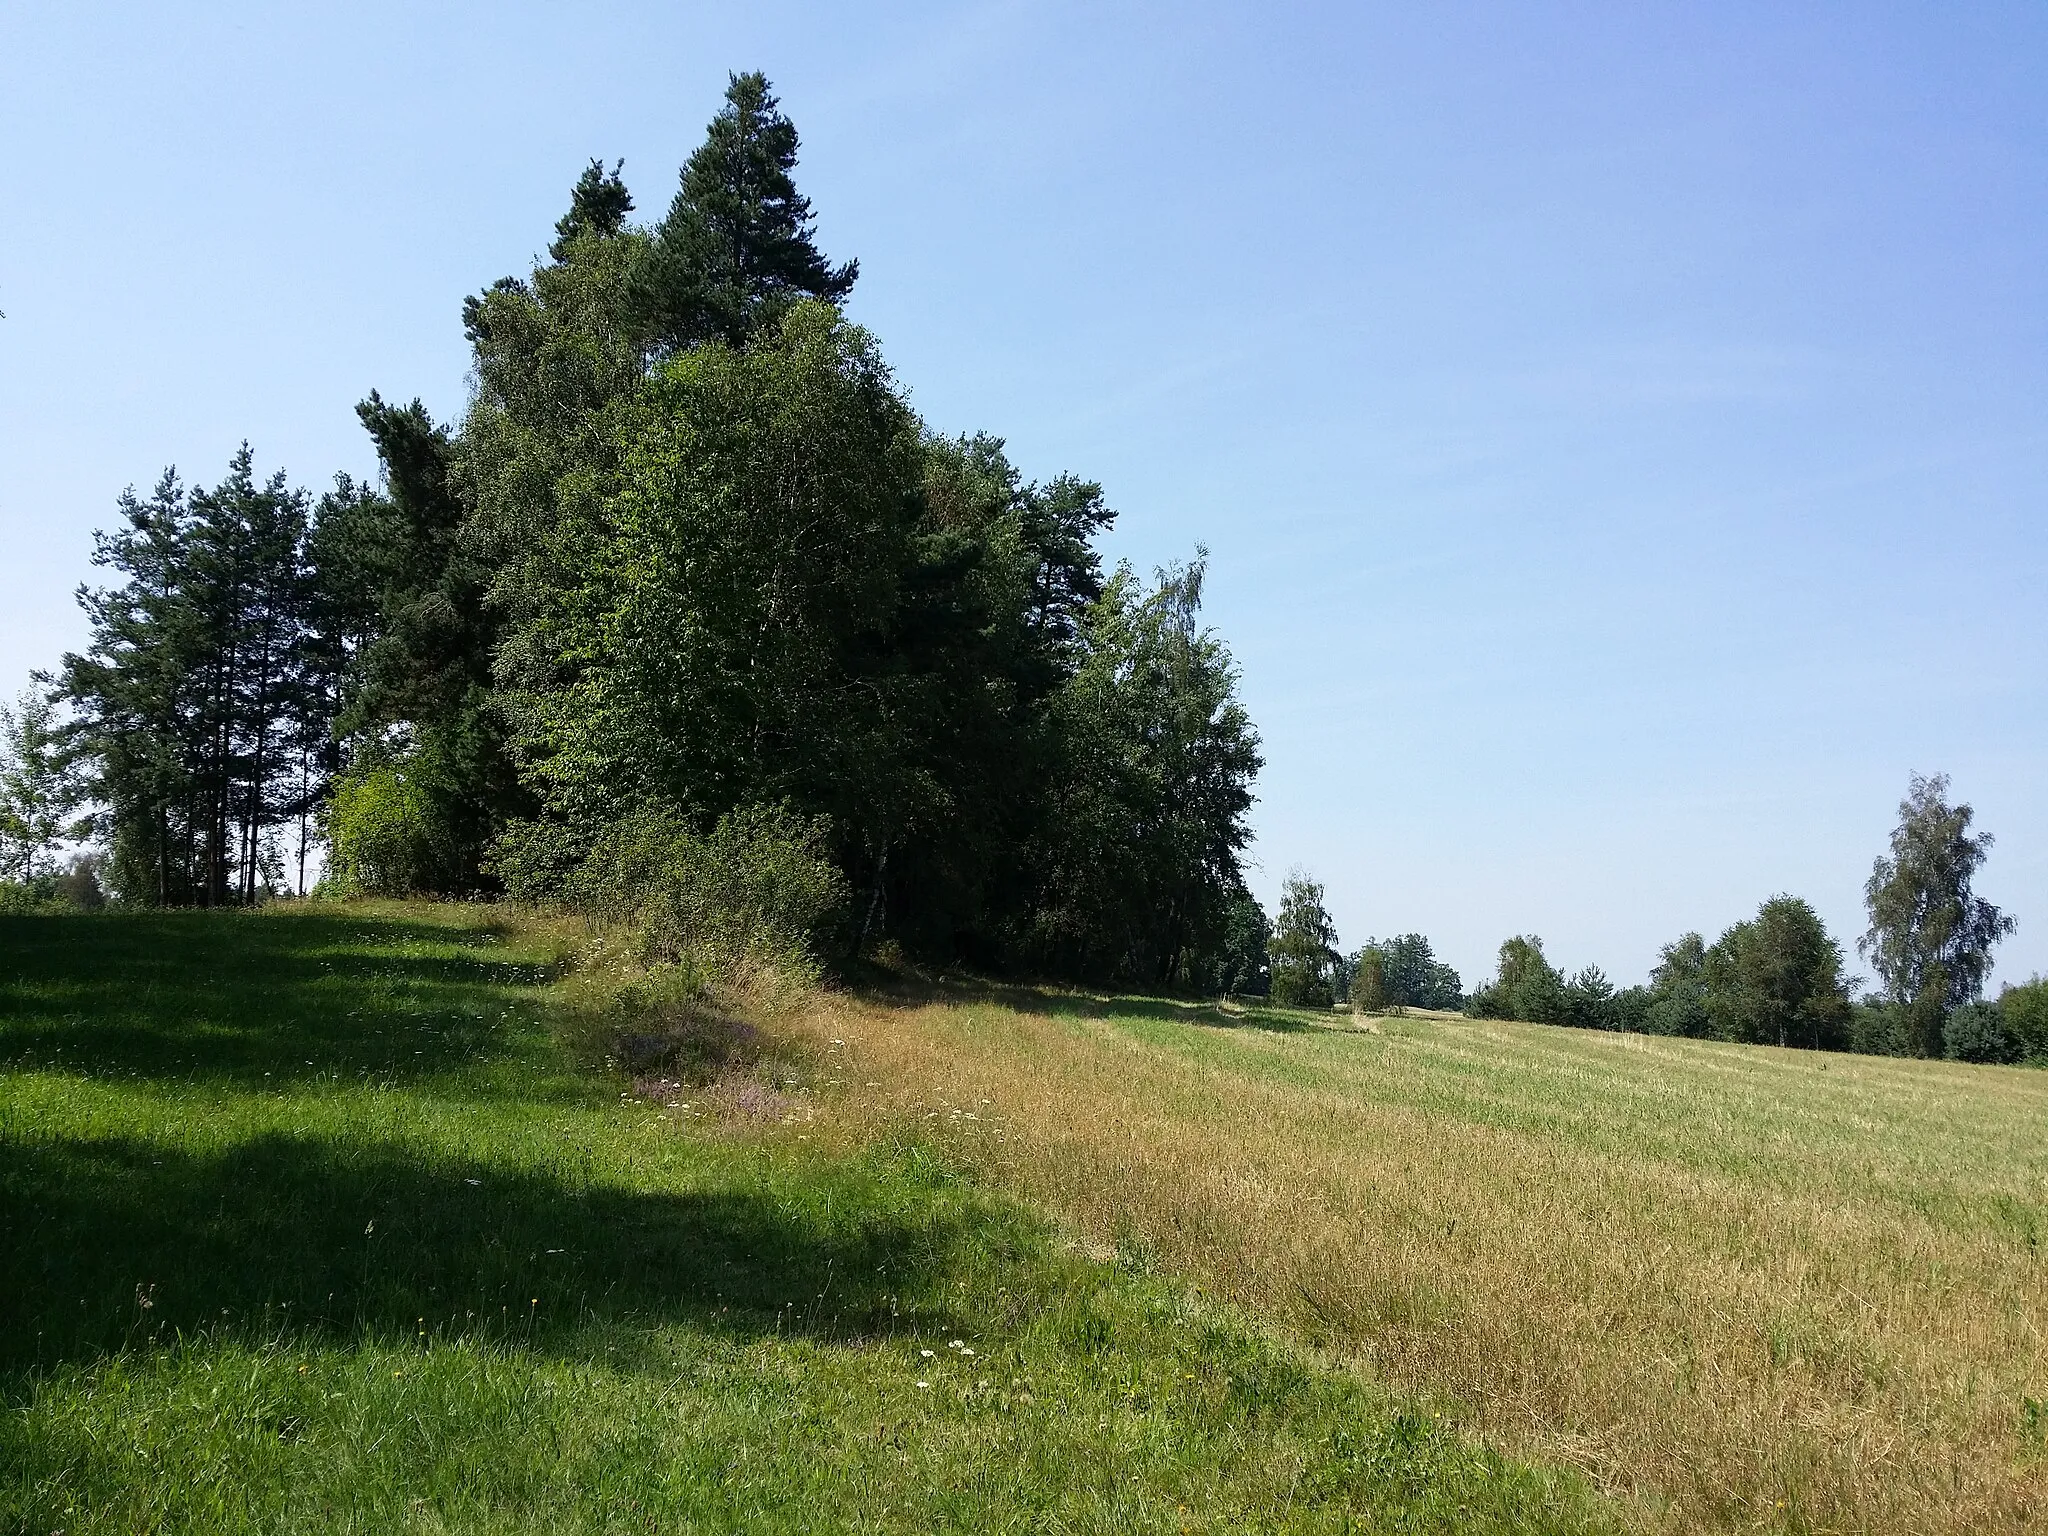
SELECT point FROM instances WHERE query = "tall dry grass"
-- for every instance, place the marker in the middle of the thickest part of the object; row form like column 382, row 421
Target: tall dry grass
column 1743, row 1288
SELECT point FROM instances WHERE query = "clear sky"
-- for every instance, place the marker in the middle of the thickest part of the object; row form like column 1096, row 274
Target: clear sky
column 1620, row 430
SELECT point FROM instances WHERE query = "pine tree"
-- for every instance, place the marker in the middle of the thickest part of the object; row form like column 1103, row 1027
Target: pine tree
column 598, row 205
column 193, row 697
column 137, row 693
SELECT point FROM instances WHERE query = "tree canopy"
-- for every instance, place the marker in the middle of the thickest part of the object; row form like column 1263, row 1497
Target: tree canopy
column 691, row 571
column 737, row 248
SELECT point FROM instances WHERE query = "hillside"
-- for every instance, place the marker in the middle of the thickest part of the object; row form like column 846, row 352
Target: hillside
column 311, row 1221
column 328, row 1218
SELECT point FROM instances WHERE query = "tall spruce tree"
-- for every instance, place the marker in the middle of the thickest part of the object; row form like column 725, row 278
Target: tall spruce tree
column 737, row 247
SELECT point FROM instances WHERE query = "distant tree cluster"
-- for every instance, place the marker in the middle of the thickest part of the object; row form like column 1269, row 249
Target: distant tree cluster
column 1777, row 978
column 1409, row 976
column 1308, row 970
column 690, row 562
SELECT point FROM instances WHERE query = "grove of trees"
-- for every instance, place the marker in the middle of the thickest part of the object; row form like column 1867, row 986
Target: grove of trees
column 690, row 570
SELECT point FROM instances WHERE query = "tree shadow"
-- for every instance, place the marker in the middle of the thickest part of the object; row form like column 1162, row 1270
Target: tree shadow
column 245, row 998
column 1051, row 1001
column 118, row 1242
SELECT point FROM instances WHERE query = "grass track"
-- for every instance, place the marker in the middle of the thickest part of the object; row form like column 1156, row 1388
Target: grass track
column 307, row 1223
column 1746, row 1288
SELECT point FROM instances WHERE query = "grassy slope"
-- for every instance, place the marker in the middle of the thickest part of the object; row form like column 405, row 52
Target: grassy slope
column 306, row 1223
column 1756, row 1288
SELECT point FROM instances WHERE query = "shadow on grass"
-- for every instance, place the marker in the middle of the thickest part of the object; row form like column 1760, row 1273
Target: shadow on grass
column 909, row 991
column 110, row 1240
column 241, row 997
column 114, row 1242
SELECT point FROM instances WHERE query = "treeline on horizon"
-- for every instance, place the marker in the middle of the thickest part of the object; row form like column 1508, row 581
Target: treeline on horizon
column 690, row 619
column 1774, row 979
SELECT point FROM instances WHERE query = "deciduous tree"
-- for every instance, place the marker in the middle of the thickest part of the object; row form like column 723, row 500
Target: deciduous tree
column 40, row 786
column 1931, row 935
column 1304, row 947
column 1777, row 980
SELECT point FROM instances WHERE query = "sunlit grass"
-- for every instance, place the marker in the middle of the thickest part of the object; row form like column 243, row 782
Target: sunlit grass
column 309, row 1221
column 1746, row 1287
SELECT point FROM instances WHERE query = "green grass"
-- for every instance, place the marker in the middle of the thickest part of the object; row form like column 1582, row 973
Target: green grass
column 308, row 1221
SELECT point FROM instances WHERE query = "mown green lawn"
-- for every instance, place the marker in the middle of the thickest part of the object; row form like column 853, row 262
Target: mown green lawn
column 308, row 1222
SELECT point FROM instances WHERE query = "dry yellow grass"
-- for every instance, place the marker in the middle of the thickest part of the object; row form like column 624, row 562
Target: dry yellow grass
column 1743, row 1288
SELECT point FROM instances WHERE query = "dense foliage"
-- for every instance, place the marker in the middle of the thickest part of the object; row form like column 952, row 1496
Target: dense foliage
column 1776, row 978
column 199, row 702
column 690, row 571
column 1773, row 979
column 39, row 788
column 1410, row 975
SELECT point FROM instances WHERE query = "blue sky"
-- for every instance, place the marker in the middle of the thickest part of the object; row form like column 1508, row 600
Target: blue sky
column 1620, row 431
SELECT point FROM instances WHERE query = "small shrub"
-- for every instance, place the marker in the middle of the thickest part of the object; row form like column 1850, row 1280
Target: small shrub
column 381, row 826
column 1880, row 1029
column 1977, row 1032
column 538, row 860
column 76, row 889
column 746, row 898
column 2026, row 1020
column 79, row 885
column 665, row 1023
column 19, row 898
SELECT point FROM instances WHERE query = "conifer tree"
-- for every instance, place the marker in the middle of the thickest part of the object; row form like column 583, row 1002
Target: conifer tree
column 193, row 698
column 598, row 205
column 410, row 637
column 737, row 247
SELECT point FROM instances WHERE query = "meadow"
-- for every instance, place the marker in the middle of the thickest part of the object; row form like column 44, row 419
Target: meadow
column 321, row 1219
column 381, row 1217
column 1740, row 1287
